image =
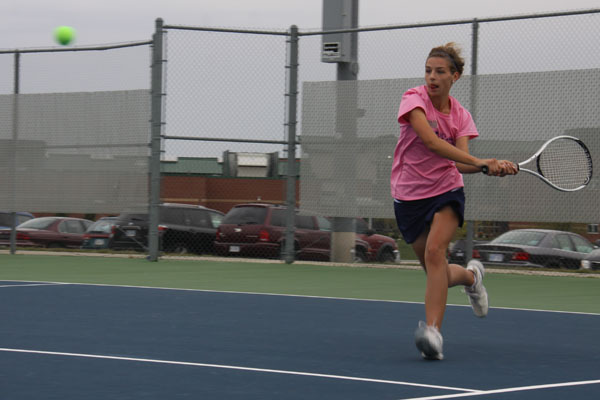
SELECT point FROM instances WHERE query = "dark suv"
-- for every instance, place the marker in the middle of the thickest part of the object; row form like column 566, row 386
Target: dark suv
column 183, row 228
column 258, row 230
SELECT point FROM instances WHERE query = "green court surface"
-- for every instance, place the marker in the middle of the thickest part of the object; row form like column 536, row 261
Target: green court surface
column 561, row 293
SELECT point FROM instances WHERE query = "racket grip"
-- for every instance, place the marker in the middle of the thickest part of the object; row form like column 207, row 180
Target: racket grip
column 485, row 169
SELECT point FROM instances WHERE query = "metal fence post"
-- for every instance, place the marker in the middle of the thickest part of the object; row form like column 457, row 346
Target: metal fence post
column 474, row 51
column 474, row 61
column 155, row 143
column 15, row 136
column 343, row 235
column 290, row 123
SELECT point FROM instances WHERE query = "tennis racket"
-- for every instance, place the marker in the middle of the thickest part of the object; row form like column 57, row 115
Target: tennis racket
column 563, row 162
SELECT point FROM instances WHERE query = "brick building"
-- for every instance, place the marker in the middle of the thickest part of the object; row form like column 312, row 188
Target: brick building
column 238, row 178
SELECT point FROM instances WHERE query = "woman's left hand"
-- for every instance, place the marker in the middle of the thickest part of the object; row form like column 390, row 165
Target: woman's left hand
column 508, row 168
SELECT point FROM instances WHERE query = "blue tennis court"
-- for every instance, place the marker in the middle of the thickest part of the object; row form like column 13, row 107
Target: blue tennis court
column 73, row 341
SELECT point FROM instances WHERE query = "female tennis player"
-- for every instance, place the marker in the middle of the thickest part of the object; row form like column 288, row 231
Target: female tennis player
column 427, row 187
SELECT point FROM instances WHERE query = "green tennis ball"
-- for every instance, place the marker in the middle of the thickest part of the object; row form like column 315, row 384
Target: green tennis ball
column 64, row 35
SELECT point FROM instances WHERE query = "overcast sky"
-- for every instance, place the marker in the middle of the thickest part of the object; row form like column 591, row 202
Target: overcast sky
column 30, row 23
column 212, row 89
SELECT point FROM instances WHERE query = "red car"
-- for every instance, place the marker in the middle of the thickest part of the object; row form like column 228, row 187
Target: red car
column 48, row 232
column 258, row 230
column 381, row 248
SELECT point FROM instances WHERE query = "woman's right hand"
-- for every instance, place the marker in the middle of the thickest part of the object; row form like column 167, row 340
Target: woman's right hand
column 493, row 166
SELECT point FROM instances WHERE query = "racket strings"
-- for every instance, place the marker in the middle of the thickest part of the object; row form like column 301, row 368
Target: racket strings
column 566, row 164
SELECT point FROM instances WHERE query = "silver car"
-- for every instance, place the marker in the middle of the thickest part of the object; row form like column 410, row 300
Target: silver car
column 535, row 248
column 592, row 260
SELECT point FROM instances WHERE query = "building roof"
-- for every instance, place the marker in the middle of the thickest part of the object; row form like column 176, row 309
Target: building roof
column 192, row 165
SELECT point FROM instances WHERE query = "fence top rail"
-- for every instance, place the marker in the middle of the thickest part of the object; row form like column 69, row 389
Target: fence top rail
column 455, row 22
column 228, row 30
column 76, row 48
column 391, row 27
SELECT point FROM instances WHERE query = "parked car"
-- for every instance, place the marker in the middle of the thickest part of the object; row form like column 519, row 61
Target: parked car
column 258, row 230
column 98, row 235
column 183, row 228
column 381, row 248
column 48, row 232
column 22, row 216
column 457, row 251
column 535, row 248
column 592, row 260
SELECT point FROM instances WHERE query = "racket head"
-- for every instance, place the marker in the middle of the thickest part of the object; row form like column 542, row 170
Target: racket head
column 565, row 163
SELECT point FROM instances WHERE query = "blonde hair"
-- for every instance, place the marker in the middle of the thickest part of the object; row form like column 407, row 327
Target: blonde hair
column 451, row 52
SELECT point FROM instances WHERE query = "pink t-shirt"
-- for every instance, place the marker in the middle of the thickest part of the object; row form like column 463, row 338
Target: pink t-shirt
column 417, row 172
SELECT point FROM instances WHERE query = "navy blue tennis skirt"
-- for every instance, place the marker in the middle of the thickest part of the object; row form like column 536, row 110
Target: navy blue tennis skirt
column 413, row 217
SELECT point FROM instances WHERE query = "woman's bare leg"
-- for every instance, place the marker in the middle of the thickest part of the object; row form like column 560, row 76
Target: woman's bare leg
column 431, row 249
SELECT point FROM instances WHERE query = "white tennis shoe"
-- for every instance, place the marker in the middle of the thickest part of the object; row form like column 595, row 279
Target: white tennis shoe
column 478, row 296
column 429, row 341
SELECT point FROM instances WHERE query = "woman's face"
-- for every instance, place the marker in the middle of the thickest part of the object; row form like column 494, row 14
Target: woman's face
column 438, row 76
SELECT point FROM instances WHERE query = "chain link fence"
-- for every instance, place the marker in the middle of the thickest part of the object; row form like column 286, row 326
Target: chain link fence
column 74, row 136
column 527, row 79
column 223, row 117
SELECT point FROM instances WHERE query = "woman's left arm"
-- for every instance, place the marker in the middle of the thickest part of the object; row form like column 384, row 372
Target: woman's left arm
column 463, row 144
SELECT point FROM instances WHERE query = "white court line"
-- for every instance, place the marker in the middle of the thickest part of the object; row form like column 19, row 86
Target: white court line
column 301, row 296
column 34, row 284
column 235, row 367
column 507, row 390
